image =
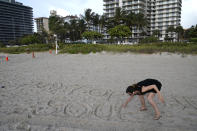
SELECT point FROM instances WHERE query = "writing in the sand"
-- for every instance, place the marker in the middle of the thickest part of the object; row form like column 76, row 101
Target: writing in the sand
column 87, row 102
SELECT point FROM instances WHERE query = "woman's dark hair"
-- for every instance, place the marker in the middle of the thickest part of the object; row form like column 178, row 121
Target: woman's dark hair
column 131, row 89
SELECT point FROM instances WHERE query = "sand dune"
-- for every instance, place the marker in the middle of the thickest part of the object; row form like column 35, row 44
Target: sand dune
column 85, row 92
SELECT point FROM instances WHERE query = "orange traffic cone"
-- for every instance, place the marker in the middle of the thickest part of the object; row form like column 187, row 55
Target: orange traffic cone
column 6, row 58
column 33, row 56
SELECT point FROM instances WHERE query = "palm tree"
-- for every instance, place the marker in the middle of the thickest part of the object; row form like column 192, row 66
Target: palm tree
column 129, row 20
column 140, row 22
column 136, row 20
column 118, row 19
column 56, row 26
column 156, row 33
column 95, row 20
column 180, row 32
column 74, row 33
column 171, row 30
column 67, row 28
column 88, row 15
column 102, row 23
column 81, row 26
column 119, row 16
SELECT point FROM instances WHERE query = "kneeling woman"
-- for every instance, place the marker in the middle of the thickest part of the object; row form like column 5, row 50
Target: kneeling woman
column 150, row 86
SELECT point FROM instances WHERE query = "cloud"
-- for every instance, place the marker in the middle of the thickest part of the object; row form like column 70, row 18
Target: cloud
column 60, row 11
column 76, row 7
column 189, row 13
column 95, row 5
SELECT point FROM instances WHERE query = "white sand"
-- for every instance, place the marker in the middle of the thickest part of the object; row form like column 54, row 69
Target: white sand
column 85, row 92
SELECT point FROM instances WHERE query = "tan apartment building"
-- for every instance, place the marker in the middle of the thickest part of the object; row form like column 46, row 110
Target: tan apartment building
column 42, row 22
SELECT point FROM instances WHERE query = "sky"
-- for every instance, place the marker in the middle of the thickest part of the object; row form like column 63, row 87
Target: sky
column 41, row 8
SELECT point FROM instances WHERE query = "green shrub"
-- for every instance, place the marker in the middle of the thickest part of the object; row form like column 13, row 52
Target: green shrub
column 150, row 39
column 61, row 45
column 29, row 48
column 82, row 48
column 119, row 31
column 193, row 40
column 141, row 48
column 2, row 45
column 31, row 39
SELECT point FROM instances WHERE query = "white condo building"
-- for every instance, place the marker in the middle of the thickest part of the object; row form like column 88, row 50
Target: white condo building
column 160, row 13
column 42, row 23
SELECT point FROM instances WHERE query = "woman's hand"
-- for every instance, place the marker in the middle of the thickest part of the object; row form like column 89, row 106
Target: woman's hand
column 129, row 99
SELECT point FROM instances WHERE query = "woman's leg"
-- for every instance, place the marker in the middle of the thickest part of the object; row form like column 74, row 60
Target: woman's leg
column 150, row 99
column 143, row 107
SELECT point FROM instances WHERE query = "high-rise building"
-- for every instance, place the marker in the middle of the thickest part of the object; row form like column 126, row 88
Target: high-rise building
column 42, row 23
column 16, row 20
column 160, row 14
column 167, row 13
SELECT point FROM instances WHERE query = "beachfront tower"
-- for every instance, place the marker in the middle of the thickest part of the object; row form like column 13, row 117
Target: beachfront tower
column 16, row 20
column 160, row 14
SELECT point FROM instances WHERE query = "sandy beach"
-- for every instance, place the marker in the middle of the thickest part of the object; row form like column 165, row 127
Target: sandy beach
column 78, row 92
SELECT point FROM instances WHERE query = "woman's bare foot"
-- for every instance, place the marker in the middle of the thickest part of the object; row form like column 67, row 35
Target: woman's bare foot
column 143, row 109
column 157, row 117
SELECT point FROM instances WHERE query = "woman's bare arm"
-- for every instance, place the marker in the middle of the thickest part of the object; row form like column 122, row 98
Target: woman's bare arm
column 128, row 100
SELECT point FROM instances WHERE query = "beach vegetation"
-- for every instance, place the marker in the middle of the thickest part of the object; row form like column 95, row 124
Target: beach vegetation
column 27, row 49
column 2, row 45
column 173, row 47
column 193, row 40
column 191, row 32
column 82, row 48
column 150, row 39
column 177, row 47
column 31, row 39
column 28, row 39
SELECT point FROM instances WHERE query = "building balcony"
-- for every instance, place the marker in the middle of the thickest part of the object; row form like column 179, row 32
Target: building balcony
column 164, row 26
column 131, row 8
column 167, row 20
column 109, row 8
column 164, row 15
column 111, row 2
column 132, row 3
column 167, row 7
column 110, row 12
column 161, row 2
column 168, row 11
